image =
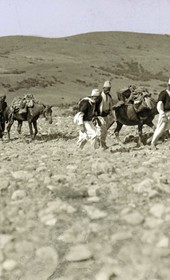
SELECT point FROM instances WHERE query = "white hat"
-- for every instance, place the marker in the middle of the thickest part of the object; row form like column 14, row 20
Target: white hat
column 169, row 82
column 95, row 92
column 107, row 84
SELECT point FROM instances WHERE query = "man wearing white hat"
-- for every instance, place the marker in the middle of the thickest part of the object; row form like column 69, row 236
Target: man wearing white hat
column 87, row 130
column 163, row 108
column 105, row 111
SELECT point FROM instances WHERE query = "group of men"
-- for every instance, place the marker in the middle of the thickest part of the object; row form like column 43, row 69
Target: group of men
column 100, row 104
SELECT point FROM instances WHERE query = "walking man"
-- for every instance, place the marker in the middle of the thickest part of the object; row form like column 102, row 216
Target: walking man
column 163, row 108
column 104, row 109
column 87, row 130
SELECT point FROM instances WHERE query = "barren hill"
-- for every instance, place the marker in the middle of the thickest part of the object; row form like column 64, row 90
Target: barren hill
column 64, row 69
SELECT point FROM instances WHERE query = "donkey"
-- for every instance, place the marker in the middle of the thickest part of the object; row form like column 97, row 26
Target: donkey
column 31, row 116
column 141, row 111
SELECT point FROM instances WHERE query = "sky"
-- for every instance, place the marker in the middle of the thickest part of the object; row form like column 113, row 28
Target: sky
column 62, row 18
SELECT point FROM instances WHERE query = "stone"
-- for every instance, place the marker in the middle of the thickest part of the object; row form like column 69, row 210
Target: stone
column 18, row 194
column 79, row 252
column 163, row 242
column 4, row 184
column 5, row 239
column 21, row 175
column 157, row 210
column 9, row 265
column 134, row 218
column 94, row 213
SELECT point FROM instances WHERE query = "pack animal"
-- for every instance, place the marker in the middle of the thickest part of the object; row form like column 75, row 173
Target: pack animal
column 141, row 111
column 31, row 116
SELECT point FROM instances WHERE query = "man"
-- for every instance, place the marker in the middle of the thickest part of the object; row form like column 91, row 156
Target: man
column 87, row 130
column 163, row 108
column 104, row 109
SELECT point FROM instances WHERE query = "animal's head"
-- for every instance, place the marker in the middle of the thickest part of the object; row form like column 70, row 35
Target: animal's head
column 48, row 113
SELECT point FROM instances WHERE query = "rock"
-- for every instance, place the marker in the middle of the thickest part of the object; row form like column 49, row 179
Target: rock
column 79, row 252
column 134, row 218
column 93, row 199
column 108, row 272
column 4, row 184
column 100, row 166
column 5, row 239
column 151, row 222
column 41, row 169
column 47, row 180
column 149, row 236
column 59, row 178
column 22, row 175
column 42, row 265
column 157, row 210
column 49, row 219
column 163, row 242
column 51, row 187
column 9, row 265
column 19, row 194
column 94, row 213
column 144, row 186
column 119, row 236
column 92, row 191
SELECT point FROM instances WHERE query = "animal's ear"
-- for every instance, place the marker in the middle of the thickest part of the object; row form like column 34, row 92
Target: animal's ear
column 3, row 98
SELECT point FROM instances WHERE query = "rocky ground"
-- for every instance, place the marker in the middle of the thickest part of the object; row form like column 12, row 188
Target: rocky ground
column 69, row 215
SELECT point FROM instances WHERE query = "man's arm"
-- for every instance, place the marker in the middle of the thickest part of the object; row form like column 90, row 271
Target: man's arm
column 160, row 107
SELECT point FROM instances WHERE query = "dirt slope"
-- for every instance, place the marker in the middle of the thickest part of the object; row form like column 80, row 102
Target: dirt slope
column 68, row 214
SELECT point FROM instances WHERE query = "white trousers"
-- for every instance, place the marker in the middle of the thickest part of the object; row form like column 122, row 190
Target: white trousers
column 162, row 125
column 90, row 135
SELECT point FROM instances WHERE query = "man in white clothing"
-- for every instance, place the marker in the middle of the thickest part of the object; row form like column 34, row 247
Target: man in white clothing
column 87, row 130
column 163, row 108
column 104, row 109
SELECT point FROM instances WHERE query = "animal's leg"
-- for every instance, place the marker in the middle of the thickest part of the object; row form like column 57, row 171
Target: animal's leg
column 10, row 123
column 2, row 129
column 35, row 128
column 19, row 131
column 31, row 130
column 19, row 127
column 148, row 141
column 151, row 124
column 140, row 143
column 117, row 130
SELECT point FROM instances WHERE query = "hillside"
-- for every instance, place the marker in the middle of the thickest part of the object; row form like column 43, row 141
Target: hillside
column 64, row 69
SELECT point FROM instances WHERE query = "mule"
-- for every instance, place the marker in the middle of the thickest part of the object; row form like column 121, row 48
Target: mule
column 141, row 112
column 31, row 116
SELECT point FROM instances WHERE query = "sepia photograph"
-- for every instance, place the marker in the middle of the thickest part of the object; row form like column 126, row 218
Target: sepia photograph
column 84, row 140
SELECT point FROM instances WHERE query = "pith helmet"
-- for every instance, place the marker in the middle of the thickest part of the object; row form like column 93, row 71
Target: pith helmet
column 107, row 84
column 95, row 92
